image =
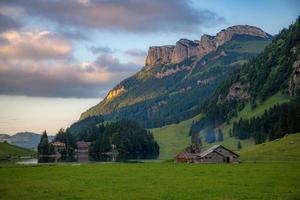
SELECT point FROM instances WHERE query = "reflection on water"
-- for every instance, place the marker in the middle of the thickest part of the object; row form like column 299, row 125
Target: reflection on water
column 104, row 159
column 31, row 161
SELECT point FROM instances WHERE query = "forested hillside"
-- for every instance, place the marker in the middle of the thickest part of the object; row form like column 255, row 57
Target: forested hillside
column 275, row 70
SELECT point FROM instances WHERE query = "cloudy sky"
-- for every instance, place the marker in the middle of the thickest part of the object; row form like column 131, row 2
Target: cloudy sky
column 60, row 57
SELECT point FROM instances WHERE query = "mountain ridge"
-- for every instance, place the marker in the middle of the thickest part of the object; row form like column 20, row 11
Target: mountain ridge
column 155, row 87
column 184, row 48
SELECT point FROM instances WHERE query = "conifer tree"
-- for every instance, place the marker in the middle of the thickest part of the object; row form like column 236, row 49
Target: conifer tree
column 220, row 135
column 239, row 146
column 43, row 146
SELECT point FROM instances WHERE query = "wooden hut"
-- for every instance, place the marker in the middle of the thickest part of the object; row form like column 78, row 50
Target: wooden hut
column 215, row 154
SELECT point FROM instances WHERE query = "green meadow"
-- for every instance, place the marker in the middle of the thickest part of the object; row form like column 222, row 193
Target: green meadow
column 267, row 171
column 173, row 138
column 152, row 181
column 282, row 149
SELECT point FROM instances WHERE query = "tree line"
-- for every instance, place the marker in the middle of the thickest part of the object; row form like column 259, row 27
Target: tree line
column 274, row 123
column 46, row 148
column 126, row 137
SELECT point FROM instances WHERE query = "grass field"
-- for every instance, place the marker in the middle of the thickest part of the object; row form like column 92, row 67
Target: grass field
column 149, row 181
column 173, row 138
column 283, row 149
column 11, row 150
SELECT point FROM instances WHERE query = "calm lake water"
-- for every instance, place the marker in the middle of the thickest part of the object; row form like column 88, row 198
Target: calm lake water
column 31, row 161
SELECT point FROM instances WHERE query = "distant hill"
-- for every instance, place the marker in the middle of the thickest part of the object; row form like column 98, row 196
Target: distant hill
column 7, row 150
column 24, row 139
column 283, row 149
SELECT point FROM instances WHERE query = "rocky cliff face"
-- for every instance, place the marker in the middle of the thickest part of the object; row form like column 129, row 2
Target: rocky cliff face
column 159, row 55
column 115, row 92
column 294, row 83
column 238, row 91
column 186, row 48
column 227, row 34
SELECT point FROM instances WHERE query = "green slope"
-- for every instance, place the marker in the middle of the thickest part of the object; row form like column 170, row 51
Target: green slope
column 247, row 112
column 7, row 150
column 283, row 149
column 173, row 138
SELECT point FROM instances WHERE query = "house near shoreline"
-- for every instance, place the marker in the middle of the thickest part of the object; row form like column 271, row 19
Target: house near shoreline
column 215, row 154
column 81, row 152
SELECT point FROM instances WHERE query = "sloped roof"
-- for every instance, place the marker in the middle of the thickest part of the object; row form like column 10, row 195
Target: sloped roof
column 186, row 154
column 213, row 148
column 58, row 144
column 208, row 151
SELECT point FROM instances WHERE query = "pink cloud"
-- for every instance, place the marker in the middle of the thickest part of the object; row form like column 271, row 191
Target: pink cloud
column 36, row 45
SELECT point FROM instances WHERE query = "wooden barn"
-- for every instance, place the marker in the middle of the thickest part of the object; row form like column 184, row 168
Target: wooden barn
column 215, row 154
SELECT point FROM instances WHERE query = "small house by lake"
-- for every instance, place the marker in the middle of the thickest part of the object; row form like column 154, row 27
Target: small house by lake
column 215, row 154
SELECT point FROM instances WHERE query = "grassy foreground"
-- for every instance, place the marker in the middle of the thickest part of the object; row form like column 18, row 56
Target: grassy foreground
column 151, row 181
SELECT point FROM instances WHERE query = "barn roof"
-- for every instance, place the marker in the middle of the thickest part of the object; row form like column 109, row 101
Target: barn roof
column 186, row 154
column 213, row 148
column 208, row 151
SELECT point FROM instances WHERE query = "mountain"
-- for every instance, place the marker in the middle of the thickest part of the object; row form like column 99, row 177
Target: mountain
column 177, row 79
column 24, row 139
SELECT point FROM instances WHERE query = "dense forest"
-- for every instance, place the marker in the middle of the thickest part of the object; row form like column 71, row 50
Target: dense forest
column 125, row 137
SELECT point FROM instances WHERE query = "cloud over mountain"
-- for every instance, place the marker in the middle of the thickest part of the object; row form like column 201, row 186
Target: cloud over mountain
column 42, row 42
column 34, row 45
column 121, row 15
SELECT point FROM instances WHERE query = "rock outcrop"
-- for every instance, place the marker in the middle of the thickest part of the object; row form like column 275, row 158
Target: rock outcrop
column 238, row 91
column 185, row 48
column 115, row 92
column 294, row 83
column 159, row 55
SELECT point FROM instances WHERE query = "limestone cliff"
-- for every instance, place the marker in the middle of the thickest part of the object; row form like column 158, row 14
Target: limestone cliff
column 185, row 48
column 159, row 55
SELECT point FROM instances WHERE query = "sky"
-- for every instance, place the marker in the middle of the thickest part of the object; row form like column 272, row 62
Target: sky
column 60, row 57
